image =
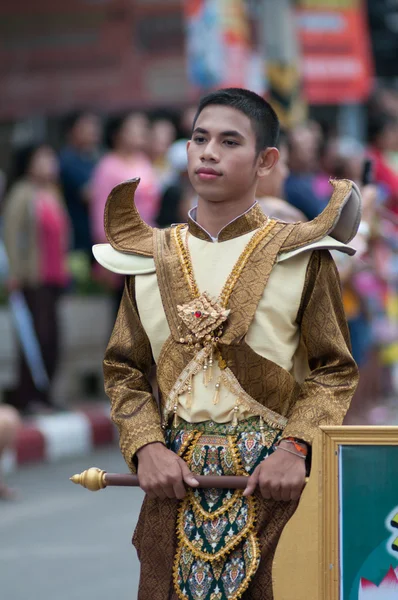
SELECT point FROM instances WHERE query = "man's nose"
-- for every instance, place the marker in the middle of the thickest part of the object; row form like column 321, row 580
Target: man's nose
column 210, row 153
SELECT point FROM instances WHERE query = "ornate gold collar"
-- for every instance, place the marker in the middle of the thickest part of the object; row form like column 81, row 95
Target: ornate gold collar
column 249, row 221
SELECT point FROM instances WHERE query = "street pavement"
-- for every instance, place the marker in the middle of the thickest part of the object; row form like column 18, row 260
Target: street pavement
column 59, row 541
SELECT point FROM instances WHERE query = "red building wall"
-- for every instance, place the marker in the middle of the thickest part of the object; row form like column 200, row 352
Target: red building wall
column 103, row 53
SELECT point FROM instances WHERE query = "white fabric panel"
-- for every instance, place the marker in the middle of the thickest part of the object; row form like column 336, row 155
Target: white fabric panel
column 121, row 263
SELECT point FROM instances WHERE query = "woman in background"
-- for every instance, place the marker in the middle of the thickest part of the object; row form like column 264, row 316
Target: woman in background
column 36, row 236
column 128, row 142
column 270, row 193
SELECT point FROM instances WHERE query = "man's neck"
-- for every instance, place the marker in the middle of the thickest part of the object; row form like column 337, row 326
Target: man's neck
column 214, row 216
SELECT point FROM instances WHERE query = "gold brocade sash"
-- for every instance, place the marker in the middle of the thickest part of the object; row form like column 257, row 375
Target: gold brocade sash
column 245, row 296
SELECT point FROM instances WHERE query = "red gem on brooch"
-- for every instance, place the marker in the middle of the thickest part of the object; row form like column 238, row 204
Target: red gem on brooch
column 198, row 314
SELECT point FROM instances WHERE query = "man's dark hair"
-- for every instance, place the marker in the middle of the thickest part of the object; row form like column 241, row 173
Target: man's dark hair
column 261, row 114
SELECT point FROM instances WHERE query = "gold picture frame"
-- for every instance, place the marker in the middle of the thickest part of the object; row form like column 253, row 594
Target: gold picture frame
column 307, row 560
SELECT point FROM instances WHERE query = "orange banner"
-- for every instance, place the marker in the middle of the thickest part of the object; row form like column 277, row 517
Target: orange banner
column 336, row 57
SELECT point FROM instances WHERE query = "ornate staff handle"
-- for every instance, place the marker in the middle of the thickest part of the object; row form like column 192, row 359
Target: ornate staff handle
column 94, row 479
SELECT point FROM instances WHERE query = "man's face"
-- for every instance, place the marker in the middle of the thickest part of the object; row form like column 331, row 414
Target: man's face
column 222, row 161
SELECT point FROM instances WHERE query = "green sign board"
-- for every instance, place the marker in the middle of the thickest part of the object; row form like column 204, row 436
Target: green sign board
column 368, row 519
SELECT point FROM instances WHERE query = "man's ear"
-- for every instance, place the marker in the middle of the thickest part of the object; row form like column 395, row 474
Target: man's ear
column 267, row 161
column 188, row 144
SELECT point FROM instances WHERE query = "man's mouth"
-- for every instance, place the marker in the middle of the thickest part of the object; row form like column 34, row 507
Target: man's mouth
column 206, row 173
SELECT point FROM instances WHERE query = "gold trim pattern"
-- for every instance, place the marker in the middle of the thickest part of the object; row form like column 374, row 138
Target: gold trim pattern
column 182, row 540
column 252, row 537
column 247, row 532
column 192, row 438
column 198, row 509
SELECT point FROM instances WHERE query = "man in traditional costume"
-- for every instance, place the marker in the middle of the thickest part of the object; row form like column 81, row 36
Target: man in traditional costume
column 242, row 316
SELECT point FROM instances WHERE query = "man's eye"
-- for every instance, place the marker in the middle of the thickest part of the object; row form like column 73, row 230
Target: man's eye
column 199, row 139
column 231, row 143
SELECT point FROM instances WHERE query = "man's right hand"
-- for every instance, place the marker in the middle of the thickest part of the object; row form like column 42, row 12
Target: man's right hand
column 162, row 473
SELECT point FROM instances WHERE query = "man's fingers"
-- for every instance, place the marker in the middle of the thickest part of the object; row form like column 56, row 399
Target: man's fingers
column 187, row 476
column 168, row 491
column 156, row 493
column 179, row 490
column 251, row 483
column 296, row 492
column 286, row 494
column 265, row 489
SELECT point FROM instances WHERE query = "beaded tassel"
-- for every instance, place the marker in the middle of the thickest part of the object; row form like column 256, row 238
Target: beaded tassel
column 235, row 416
column 210, row 368
column 175, row 419
column 205, row 373
column 262, row 431
column 189, row 391
column 216, row 398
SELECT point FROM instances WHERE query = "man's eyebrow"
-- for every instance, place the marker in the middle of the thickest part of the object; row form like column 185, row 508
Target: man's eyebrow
column 230, row 133
column 200, row 130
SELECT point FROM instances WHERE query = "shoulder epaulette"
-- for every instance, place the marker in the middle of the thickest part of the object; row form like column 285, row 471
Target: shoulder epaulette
column 124, row 228
column 340, row 219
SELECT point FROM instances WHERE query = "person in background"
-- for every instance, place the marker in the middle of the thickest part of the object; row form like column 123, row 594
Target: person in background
column 163, row 134
column 270, row 190
column 301, row 188
column 128, row 142
column 36, row 236
column 185, row 122
column 383, row 140
column 77, row 161
column 178, row 197
column 9, row 425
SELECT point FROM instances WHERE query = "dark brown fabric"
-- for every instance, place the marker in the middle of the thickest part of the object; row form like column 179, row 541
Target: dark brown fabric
column 155, row 541
column 271, row 520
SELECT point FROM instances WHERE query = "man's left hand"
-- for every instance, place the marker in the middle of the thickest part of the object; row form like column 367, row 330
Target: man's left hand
column 281, row 476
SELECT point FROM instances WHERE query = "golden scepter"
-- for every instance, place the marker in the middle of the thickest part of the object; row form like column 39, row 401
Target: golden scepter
column 95, row 479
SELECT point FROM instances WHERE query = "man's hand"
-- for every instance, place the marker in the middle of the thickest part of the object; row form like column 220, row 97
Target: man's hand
column 162, row 473
column 281, row 476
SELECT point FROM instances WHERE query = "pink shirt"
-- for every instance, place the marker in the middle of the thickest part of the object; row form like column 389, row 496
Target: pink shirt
column 111, row 171
column 53, row 234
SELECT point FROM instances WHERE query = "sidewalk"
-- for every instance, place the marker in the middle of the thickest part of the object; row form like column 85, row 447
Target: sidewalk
column 55, row 437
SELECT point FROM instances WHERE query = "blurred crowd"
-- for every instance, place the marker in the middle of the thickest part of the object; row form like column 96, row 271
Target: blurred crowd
column 52, row 207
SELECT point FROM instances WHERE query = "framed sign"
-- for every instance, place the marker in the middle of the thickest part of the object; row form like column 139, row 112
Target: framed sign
column 342, row 543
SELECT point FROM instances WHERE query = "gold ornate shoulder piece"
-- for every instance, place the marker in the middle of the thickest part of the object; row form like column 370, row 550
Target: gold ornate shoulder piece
column 124, row 228
column 340, row 219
